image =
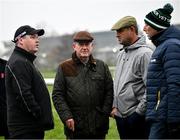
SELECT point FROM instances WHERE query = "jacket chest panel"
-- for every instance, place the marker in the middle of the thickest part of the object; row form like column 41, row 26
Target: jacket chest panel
column 124, row 67
column 87, row 82
column 156, row 64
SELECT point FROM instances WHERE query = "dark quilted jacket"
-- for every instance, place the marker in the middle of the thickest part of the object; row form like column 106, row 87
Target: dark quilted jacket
column 163, row 79
column 84, row 93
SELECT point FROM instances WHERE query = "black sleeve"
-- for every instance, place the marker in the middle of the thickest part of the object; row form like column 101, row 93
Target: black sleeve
column 59, row 96
column 108, row 100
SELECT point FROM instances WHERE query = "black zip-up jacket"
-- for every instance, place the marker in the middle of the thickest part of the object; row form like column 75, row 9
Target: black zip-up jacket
column 2, row 84
column 84, row 93
column 3, row 106
column 28, row 100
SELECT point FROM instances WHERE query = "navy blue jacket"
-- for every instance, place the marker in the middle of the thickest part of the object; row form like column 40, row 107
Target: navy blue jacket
column 163, row 78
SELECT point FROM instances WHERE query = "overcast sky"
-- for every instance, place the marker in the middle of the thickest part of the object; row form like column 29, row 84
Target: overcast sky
column 67, row 16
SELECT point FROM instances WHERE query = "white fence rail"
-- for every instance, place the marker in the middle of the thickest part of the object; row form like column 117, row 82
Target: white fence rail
column 50, row 81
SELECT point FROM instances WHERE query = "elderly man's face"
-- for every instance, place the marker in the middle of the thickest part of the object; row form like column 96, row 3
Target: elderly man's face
column 83, row 49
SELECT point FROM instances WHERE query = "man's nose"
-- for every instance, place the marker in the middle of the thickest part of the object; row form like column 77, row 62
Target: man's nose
column 37, row 40
column 84, row 46
column 144, row 28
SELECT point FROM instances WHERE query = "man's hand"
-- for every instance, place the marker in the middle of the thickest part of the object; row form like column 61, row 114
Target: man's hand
column 70, row 124
column 114, row 112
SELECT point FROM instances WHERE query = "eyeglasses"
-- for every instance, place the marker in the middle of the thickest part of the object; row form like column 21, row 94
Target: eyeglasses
column 81, row 44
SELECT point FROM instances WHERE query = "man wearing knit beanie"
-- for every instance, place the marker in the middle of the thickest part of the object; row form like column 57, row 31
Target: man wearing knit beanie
column 163, row 77
column 159, row 19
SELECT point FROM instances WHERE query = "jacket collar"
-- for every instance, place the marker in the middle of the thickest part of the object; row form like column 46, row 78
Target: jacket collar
column 156, row 38
column 170, row 32
column 91, row 63
column 141, row 41
column 2, row 61
column 25, row 54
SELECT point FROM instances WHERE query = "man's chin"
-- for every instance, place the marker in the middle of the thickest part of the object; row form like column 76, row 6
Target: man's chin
column 84, row 55
column 84, row 59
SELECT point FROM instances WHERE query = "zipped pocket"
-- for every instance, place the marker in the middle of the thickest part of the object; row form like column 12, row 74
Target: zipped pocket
column 158, row 101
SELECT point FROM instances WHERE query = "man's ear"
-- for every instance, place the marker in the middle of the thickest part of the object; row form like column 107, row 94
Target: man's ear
column 132, row 28
column 73, row 45
column 20, row 41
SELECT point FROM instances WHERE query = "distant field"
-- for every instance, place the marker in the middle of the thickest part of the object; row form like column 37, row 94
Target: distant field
column 49, row 74
column 52, row 73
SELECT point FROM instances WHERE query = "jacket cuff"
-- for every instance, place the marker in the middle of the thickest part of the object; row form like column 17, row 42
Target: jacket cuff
column 140, row 112
column 115, row 103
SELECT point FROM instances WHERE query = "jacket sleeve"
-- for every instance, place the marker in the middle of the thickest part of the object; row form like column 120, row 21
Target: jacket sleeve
column 143, row 64
column 22, row 83
column 108, row 100
column 58, row 96
column 171, row 61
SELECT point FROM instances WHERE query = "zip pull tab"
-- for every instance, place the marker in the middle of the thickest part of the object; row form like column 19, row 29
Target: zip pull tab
column 158, row 100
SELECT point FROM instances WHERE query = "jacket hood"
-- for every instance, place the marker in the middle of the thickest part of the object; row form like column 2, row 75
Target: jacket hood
column 26, row 54
column 171, row 32
column 140, row 42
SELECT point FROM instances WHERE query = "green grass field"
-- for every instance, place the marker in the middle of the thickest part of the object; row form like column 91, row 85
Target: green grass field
column 58, row 132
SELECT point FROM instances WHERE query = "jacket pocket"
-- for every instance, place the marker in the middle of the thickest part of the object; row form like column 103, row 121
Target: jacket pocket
column 21, row 104
column 97, row 77
column 97, row 82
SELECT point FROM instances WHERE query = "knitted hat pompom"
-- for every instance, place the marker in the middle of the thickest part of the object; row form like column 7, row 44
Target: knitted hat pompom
column 169, row 8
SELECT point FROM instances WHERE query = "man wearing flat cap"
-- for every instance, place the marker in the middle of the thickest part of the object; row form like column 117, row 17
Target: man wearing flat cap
column 129, row 103
column 28, row 102
column 83, row 92
column 163, row 77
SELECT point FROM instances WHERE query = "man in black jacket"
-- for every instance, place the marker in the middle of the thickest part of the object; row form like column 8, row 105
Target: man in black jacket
column 29, row 111
column 3, row 106
column 83, row 92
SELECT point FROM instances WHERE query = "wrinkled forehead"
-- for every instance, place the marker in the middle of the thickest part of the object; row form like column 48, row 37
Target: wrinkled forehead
column 83, row 41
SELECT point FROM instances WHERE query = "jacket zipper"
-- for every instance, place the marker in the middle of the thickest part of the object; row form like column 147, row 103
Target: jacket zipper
column 158, row 101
